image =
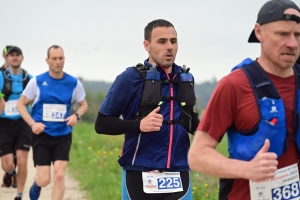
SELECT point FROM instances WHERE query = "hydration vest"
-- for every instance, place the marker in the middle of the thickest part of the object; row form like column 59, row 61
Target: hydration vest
column 244, row 145
column 7, row 83
column 152, row 96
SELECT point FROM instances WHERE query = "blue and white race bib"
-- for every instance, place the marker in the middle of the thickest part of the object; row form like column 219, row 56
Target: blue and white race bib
column 54, row 112
column 11, row 108
column 284, row 186
column 161, row 182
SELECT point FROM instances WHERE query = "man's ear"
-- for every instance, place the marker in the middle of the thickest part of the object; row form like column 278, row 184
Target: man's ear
column 259, row 32
column 146, row 45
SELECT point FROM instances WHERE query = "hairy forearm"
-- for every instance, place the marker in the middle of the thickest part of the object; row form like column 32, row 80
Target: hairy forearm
column 204, row 158
column 211, row 162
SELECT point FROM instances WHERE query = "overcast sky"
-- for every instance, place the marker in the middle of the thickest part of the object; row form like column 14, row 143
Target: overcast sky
column 103, row 38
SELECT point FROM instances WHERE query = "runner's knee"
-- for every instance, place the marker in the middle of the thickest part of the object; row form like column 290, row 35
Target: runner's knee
column 22, row 162
column 7, row 166
column 43, row 181
column 59, row 176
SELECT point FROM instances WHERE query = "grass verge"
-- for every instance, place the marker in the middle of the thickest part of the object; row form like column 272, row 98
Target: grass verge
column 93, row 162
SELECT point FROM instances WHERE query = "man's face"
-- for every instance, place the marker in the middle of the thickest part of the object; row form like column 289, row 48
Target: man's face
column 15, row 59
column 280, row 41
column 163, row 46
column 56, row 60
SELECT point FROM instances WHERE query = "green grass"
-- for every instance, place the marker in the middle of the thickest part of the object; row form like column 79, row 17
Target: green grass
column 93, row 162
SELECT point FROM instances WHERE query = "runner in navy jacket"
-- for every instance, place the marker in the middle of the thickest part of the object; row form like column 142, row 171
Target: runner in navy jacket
column 157, row 142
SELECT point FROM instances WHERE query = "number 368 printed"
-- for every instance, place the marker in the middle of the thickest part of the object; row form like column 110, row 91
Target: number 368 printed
column 286, row 192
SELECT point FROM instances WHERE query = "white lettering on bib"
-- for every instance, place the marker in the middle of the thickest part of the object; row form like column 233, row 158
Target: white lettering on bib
column 54, row 112
column 11, row 108
column 161, row 182
column 284, row 186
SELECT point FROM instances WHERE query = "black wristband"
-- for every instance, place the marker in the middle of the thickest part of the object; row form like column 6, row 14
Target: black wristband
column 77, row 115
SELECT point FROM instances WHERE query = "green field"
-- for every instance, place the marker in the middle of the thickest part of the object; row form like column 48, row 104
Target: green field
column 93, row 161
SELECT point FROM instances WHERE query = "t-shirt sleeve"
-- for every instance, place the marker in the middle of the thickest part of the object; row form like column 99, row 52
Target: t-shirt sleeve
column 79, row 93
column 31, row 89
column 219, row 113
column 122, row 93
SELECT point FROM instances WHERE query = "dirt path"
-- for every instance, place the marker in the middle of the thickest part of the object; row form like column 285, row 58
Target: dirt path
column 72, row 189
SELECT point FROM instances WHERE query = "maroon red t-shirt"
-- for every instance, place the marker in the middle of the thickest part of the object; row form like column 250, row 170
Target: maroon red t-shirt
column 233, row 102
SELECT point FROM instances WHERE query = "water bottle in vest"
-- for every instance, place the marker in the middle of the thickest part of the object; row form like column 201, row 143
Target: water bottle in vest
column 152, row 91
column 187, row 97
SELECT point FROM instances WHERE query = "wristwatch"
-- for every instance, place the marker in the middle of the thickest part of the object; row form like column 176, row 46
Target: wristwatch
column 78, row 116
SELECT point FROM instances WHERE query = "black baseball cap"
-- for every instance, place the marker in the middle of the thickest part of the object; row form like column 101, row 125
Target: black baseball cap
column 14, row 49
column 272, row 11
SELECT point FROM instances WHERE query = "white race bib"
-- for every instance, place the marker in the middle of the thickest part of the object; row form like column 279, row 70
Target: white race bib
column 284, row 186
column 54, row 112
column 161, row 182
column 11, row 108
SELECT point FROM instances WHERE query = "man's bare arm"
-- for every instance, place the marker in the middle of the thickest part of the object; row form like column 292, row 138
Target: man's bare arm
column 204, row 158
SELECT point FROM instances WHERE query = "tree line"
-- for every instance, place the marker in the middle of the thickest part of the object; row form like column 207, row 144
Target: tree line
column 96, row 92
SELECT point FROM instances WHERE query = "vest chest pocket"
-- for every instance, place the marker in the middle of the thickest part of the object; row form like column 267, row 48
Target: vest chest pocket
column 187, row 99
column 245, row 147
column 151, row 93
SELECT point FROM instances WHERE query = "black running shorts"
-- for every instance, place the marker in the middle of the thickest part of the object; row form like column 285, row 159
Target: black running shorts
column 47, row 149
column 14, row 134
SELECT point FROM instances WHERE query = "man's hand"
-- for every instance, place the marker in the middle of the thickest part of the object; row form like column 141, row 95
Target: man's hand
column 37, row 128
column 71, row 120
column 264, row 165
column 152, row 122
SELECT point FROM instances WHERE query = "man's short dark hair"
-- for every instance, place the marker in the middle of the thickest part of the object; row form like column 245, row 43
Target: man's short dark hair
column 53, row 47
column 152, row 25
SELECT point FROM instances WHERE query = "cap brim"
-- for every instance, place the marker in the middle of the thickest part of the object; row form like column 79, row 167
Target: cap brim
column 253, row 38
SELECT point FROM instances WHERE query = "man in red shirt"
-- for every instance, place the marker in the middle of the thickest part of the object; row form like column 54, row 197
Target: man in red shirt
column 235, row 104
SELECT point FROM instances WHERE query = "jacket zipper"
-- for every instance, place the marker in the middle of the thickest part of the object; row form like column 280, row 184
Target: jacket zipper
column 171, row 118
column 171, row 126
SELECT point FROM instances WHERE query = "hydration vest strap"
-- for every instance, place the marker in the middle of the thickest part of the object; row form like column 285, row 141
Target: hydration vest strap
column 169, row 81
column 141, row 66
column 260, row 82
column 142, row 70
column 296, row 114
column 261, row 86
column 7, row 84
column 164, row 98
column 174, row 121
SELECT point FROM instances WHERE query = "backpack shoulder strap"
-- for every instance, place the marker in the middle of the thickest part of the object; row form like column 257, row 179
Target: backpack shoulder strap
column 261, row 84
column 142, row 70
column 297, row 74
column 26, row 78
column 296, row 99
column 7, row 85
